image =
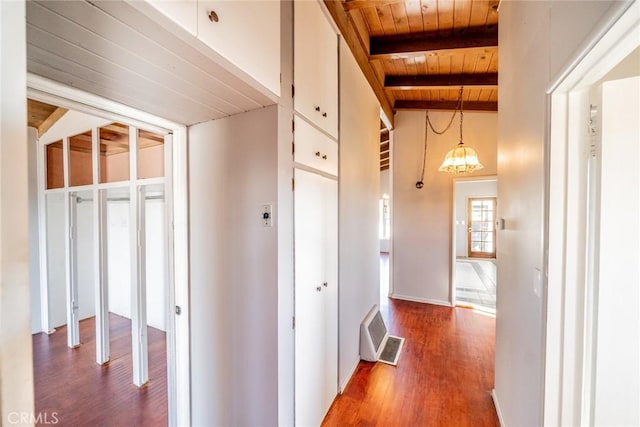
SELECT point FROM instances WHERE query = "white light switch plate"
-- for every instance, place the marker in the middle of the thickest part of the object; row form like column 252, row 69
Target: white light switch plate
column 266, row 215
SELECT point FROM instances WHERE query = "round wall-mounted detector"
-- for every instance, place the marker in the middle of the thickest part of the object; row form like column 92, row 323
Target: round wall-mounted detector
column 419, row 184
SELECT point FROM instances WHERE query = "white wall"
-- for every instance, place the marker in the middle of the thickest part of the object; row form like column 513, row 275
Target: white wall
column 464, row 190
column 359, row 192
column 536, row 40
column 385, row 183
column 16, row 368
column 34, row 243
column 84, row 235
column 234, row 269
column 422, row 219
column 119, row 258
column 155, row 242
column 56, row 263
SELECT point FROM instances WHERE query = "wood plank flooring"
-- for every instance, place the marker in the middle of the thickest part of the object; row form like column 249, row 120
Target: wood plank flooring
column 69, row 383
column 444, row 376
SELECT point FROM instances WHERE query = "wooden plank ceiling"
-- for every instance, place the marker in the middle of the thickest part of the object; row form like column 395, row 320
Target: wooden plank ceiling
column 417, row 53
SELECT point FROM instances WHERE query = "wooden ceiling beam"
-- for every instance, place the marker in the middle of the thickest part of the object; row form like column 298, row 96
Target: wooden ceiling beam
column 432, row 42
column 446, row 105
column 358, row 48
column 440, row 80
column 51, row 120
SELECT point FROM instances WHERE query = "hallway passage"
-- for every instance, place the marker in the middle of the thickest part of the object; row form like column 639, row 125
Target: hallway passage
column 70, row 384
column 476, row 283
column 444, row 375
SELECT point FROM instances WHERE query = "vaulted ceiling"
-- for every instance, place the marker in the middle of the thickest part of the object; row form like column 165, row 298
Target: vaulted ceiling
column 416, row 54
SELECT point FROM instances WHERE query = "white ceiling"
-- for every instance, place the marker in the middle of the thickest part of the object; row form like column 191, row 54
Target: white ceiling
column 114, row 50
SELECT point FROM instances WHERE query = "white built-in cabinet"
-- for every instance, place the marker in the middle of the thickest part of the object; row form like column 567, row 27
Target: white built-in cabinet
column 315, row 212
column 314, row 148
column 315, row 68
column 246, row 33
column 316, row 296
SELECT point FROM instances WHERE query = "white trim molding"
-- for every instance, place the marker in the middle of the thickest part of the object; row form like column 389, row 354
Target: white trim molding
column 494, row 397
column 421, row 300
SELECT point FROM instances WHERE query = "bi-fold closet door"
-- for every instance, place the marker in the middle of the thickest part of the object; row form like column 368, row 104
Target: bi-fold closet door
column 315, row 212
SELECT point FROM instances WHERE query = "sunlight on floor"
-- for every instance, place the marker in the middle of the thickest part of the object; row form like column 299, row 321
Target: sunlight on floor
column 476, row 283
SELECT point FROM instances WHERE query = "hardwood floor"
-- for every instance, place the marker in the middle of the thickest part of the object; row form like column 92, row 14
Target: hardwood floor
column 70, row 385
column 444, row 376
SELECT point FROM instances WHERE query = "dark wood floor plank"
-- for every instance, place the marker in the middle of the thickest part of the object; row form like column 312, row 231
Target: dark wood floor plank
column 444, row 376
column 69, row 383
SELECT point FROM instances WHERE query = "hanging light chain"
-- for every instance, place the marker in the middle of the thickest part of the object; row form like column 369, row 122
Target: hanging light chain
column 428, row 124
column 453, row 116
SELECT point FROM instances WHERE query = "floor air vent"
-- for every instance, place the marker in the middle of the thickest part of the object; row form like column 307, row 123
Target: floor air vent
column 375, row 342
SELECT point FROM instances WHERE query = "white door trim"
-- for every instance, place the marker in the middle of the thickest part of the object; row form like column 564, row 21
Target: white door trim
column 569, row 314
column 178, row 341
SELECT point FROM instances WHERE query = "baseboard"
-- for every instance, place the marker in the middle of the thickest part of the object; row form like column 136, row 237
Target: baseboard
column 344, row 384
column 494, row 396
column 422, row 300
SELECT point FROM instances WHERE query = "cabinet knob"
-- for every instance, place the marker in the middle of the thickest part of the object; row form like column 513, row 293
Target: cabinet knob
column 324, row 114
column 324, row 157
column 325, row 284
column 317, row 108
column 318, row 288
column 213, row 16
column 317, row 154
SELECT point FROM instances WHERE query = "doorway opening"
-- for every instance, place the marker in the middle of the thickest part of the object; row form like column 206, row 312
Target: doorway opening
column 110, row 214
column 384, row 212
column 474, row 281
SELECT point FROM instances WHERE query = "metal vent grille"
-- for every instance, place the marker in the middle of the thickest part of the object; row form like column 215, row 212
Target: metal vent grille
column 377, row 330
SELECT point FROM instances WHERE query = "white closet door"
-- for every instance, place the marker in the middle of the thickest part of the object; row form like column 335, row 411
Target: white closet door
column 330, row 294
column 315, row 341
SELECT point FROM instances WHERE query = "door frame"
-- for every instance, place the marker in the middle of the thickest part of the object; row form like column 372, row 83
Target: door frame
column 178, row 331
column 452, row 267
column 570, row 304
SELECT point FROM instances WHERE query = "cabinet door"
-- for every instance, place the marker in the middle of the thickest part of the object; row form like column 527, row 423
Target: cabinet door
column 315, row 67
column 184, row 13
column 247, row 33
column 315, row 149
column 315, row 303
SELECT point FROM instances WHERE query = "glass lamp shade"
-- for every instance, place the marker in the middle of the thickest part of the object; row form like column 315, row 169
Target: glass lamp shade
column 461, row 160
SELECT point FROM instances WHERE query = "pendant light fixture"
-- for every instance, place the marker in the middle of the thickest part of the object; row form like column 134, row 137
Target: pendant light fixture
column 461, row 159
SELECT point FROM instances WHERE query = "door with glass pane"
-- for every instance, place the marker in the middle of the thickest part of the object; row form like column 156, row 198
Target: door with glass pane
column 481, row 231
